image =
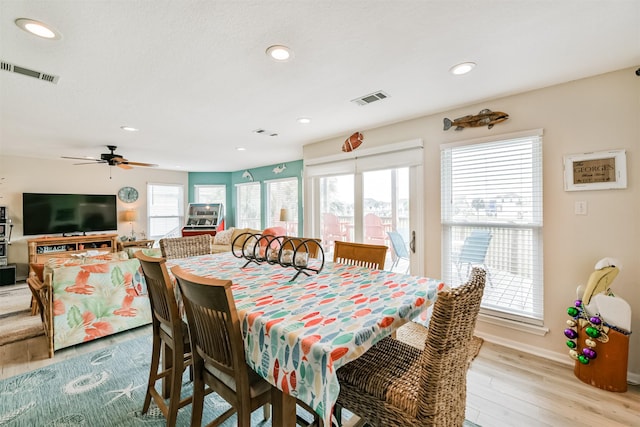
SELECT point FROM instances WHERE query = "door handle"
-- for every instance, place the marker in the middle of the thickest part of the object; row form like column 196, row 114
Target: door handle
column 412, row 243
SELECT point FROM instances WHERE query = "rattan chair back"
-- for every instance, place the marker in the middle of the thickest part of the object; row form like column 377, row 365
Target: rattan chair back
column 370, row 256
column 394, row 383
column 218, row 348
column 183, row 247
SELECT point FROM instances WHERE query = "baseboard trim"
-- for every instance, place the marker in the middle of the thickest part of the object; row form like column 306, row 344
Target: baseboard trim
column 563, row 358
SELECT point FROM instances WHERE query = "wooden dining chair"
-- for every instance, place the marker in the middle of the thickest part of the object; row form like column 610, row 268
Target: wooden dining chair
column 394, row 383
column 218, row 349
column 183, row 247
column 370, row 256
column 170, row 339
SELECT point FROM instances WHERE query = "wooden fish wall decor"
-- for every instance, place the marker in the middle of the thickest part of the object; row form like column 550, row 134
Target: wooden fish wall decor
column 352, row 142
column 484, row 117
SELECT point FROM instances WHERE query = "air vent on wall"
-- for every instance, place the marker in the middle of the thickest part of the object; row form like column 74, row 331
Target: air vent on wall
column 372, row 97
column 6, row 66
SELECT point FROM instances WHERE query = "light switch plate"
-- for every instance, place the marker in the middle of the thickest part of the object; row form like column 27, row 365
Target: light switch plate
column 581, row 208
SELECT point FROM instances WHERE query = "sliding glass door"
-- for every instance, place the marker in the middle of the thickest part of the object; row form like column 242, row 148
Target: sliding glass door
column 374, row 199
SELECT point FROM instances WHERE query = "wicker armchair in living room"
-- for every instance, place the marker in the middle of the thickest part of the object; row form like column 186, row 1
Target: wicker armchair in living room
column 394, row 383
column 183, row 247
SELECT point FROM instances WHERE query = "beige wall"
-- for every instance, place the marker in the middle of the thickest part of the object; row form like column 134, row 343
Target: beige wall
column 593, row 114
column 27, row 175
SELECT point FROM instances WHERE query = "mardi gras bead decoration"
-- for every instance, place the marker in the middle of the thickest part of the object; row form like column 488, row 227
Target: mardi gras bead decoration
column 594, row 330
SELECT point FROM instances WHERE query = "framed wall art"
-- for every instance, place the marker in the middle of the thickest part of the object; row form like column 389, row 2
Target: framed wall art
column 603, row 170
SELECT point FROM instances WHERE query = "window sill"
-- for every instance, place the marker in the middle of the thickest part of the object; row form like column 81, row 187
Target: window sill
column 512, row 324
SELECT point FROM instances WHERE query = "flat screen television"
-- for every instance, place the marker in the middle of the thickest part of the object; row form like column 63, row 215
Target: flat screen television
column 47, row 213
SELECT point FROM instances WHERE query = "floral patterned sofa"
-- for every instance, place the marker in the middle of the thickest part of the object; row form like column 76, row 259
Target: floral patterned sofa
column 90, row 297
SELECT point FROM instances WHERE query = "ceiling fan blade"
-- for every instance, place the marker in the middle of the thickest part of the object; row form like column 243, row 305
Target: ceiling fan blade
column 141, row 164
column 89, row 163
column 124, row 166
column 83, row 158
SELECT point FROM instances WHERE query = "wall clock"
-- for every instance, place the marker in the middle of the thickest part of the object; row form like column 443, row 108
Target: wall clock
column 128, row 194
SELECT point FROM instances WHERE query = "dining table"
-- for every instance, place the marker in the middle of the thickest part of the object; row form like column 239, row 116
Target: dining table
column 297, row 333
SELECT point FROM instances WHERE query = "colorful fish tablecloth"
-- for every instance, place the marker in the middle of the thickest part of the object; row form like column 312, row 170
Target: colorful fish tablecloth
column 298, row 333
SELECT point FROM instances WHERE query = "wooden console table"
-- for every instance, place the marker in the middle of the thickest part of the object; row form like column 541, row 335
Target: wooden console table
column 43, row 248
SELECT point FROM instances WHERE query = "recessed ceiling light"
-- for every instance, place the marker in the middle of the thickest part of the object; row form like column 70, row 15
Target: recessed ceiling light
column 304, row 120
column 240, row 149
column 463, row 68
column 37, row 28
column 279, row 53
column 129, row 128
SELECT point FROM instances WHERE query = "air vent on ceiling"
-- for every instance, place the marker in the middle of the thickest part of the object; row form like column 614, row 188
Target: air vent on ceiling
column 265, row 132
column 7, row 66
column 372, row 97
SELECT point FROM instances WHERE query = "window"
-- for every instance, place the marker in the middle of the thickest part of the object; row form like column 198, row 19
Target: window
column 165, row 205
column 492, row 216
column 248, row 206
column 283, row 194
column 211, row 194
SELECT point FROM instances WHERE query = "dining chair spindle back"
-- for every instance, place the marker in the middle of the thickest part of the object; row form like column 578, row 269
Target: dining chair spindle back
column 363, row 255
column 170, row 338
column 218, row 349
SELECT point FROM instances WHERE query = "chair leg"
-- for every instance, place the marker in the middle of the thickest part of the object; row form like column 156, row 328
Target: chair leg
column 153, row 372
column 176, row 385
column 167, row 363
column 198, row 398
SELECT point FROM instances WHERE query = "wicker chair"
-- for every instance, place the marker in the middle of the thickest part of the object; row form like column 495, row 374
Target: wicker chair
column 218, row 349
column 183, row 247
column 170, row 337
column 370, row 256
column 396, row 384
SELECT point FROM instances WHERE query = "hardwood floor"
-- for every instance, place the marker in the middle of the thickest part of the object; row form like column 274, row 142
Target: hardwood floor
column 505, row 387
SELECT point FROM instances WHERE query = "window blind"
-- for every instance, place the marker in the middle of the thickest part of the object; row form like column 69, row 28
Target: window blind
column 492, row 217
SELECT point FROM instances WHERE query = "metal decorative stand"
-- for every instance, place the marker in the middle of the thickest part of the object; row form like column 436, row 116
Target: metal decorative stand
column 285, row 251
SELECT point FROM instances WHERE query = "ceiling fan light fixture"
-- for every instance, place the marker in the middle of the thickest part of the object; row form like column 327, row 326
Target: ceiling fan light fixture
column 462, row 68
column 37, row 28
column 279, row 53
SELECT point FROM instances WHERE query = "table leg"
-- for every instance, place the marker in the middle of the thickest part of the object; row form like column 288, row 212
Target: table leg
column 284, row 408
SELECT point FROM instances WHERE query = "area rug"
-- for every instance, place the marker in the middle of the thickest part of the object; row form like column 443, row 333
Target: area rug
column 104, row 388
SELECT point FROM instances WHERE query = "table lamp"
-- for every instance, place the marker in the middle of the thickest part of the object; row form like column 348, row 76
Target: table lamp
column 130, row 216
column 286, row 217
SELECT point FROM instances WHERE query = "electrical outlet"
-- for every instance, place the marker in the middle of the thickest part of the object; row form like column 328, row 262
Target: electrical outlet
column 580, row 208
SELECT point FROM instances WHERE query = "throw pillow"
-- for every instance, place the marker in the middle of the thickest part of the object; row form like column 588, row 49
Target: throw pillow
column 223, row 237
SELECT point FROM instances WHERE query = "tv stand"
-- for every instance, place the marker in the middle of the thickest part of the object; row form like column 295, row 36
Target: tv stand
column 43, row 248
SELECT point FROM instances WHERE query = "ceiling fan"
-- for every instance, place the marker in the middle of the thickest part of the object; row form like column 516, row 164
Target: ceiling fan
column 112, row 159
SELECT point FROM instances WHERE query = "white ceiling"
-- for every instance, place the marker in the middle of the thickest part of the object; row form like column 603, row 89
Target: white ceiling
column 193, row 76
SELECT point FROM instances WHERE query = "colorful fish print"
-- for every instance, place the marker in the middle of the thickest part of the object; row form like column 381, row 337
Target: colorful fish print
column 307, row 342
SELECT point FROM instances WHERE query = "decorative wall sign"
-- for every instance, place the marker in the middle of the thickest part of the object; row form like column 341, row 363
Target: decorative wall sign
column 603, row 170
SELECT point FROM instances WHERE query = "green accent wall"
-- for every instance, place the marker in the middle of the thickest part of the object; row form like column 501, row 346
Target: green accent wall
column 260, row 174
